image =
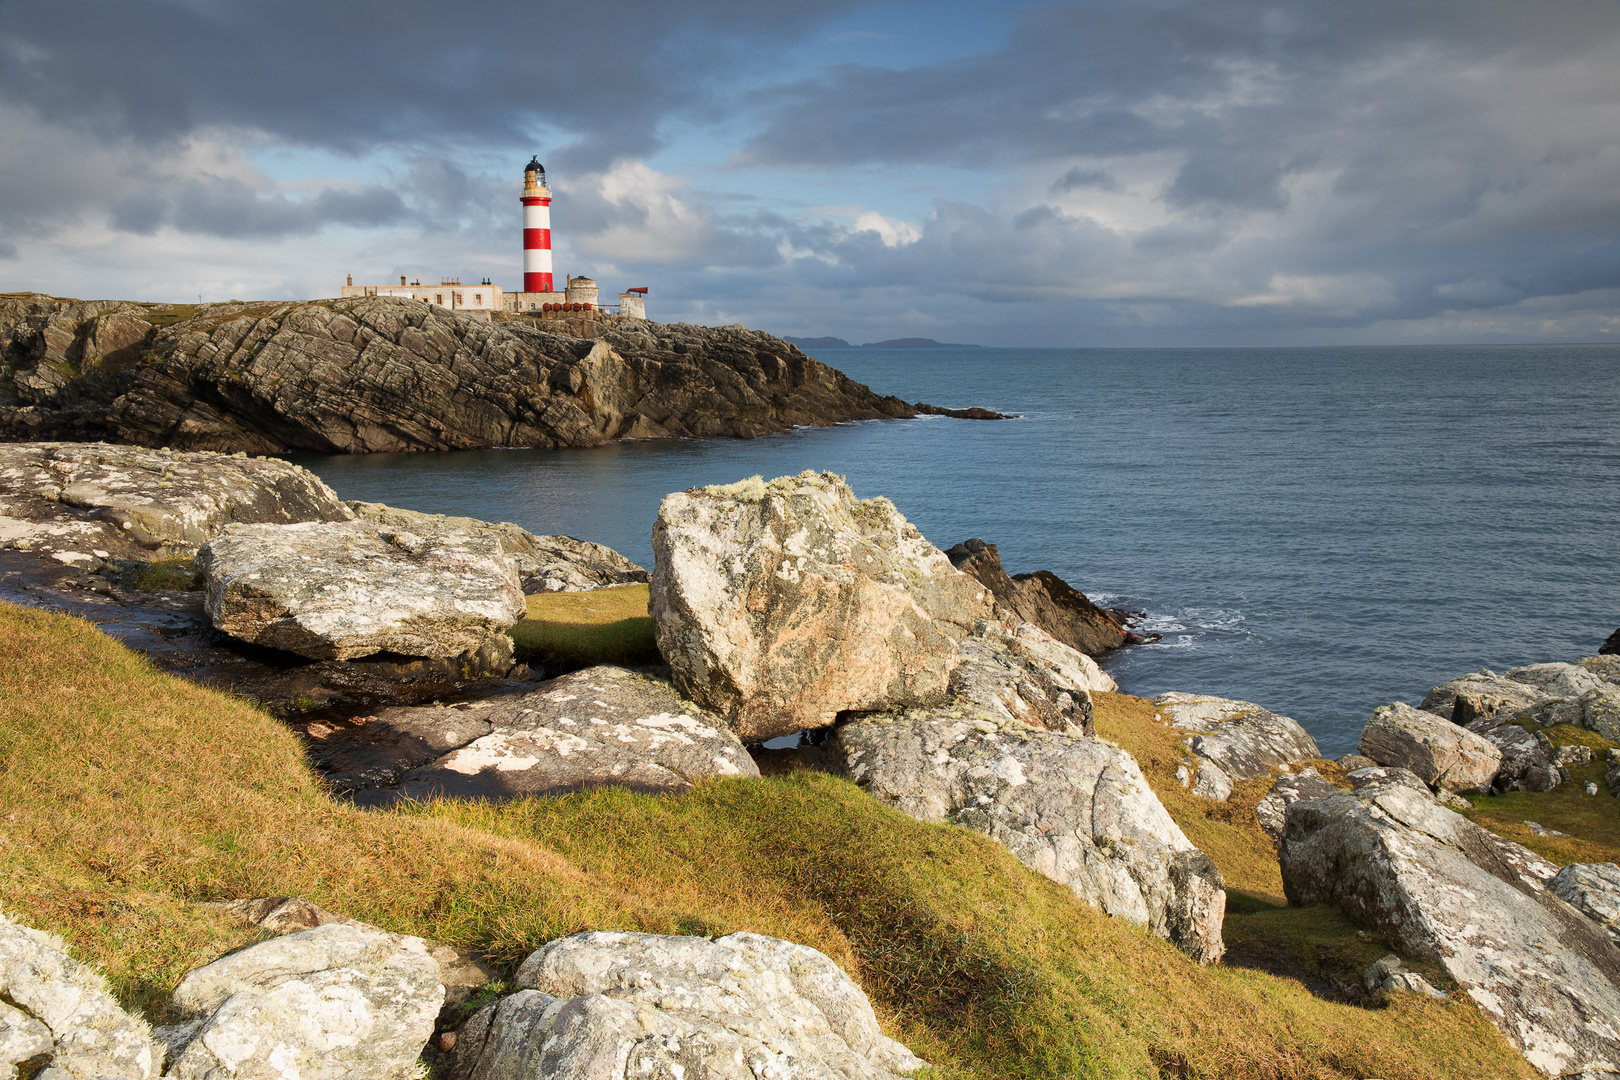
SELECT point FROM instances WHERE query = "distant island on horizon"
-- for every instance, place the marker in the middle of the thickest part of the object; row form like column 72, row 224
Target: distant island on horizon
column 891, row 343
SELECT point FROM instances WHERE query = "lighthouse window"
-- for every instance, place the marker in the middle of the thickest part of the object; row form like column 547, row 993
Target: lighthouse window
column 438, row 298
column 478, row 298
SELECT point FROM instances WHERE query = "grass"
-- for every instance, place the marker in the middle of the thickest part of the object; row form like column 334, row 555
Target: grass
column 172, row 573
column 565, row 631
column 128, row 795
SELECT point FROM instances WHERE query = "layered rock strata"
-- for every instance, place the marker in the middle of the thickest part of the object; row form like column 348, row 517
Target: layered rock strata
column 740, row 1007
column 1391, row 857
column 384, row 374
column 1234, row 740
column 603, row 726
column 1044, row 599
column 779, row 605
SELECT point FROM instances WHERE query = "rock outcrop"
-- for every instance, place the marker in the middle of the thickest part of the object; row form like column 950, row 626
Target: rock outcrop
column 1611, row 645
column 1044, row 599
column 603, row 726
column 330, row 1003
column 1272, row 811
column 1074, row 809
column 1391, row 857
column 1441, row 753
column 57, row 1019
column 336, row 591
column 384, row 374
column 1593, row 889
column 1585, row 694
column 544, row 563
column 1478, row 694
column 740, row 1007
column 779, row 605
column 136, row 503
column 1235, row 740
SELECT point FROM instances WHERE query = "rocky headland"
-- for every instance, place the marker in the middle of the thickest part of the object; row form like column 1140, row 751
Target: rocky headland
column 381, row 374
column 929, row 684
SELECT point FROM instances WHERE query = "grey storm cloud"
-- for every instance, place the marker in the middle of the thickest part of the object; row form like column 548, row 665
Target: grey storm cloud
column 229, row 208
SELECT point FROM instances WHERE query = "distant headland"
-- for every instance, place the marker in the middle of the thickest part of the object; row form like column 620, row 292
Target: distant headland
column 891, row 343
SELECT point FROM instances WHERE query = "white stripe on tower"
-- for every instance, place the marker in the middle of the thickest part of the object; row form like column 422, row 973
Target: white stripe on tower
column 536, row 201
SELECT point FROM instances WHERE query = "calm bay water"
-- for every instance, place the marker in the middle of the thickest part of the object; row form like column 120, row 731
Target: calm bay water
column 1317, row 530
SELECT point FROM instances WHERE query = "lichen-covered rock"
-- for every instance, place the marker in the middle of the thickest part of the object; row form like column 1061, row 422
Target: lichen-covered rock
column 1441, row 753
column 128, row 501
column 57, row 1019
column 1044, row 599
column 1393, row 858
column 740, row 1007
column 1076, row 810
column 1480, row 693
column 603, row 726
column 331, row 1003
column 1525, row 765
column 544, row 563
column 1236, row 740
column 781, row 605
column 1557, row 679
column 385, row 374
column 351, row 589
column 1272, row 811
column 1594, row 890
column 1391, row 976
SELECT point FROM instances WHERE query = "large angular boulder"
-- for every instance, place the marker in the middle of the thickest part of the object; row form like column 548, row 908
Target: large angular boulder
column 330, row 1003
column 1611, row 645
column 1044, row 599
column 1480, row 693
column 127, row 500
column 544, row 563
column 603, row 726
column 350, row 589
column 779, row 605
column 1525, row 765
column 740, row 1007
column 1443, row 754
column 1594, row 890
column 1235, row 740
column 1074, row 809
column 57, row 1019
column 1557, row 679
column 1393, row 858
column 1272, row 811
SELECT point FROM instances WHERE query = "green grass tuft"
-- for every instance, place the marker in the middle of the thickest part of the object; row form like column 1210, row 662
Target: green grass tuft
column 566, row 631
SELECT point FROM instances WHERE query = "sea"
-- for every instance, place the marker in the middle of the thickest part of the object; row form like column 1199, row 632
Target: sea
column 1317, row 530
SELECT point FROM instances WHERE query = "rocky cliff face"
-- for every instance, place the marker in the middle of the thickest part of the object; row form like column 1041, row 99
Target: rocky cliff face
column 380, row 374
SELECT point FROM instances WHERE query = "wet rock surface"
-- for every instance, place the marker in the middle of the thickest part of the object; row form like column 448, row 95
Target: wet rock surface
column 1074, row 809
column 1393, row 858
column 779, row 605
column 592, row 728
column 337, row 1001
column 57, row 1018
column 344, row 590
column 1235, row 740
column 1437, row 750
column 543, row 563
column 384, row 374
column 1044, row 599
column 736, row 1008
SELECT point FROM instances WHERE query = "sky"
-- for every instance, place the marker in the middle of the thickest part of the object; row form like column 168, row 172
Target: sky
column 1153, row 173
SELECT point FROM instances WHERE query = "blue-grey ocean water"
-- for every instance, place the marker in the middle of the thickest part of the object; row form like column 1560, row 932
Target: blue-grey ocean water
column 1317, row 530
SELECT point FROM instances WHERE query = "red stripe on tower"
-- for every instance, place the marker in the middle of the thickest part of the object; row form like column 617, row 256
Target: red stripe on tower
column 536, row 201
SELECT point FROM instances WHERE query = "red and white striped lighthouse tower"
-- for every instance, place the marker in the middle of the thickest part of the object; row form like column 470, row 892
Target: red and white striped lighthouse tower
column 536, row 201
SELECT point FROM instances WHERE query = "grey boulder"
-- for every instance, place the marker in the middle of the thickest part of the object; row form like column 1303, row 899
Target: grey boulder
column 1393, row 858
column 1441, row 753
column 57, row 1019
column 1594, row 889
column 740, row 1007
column 779, row 605
column 1525, row 765
column 1272, row 811
column 330, row 1003
column 1076, row 810
column 598, row 727
column 1480, row 693
column 344, row 590
column 1390, row 975
column 543, row 563
column 1234, row 740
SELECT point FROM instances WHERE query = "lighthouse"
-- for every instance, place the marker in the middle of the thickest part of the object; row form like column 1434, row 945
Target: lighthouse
column 536, row 201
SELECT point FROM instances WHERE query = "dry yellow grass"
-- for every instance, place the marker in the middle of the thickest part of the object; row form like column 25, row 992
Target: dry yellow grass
column 567, row 630
column 127, row 795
